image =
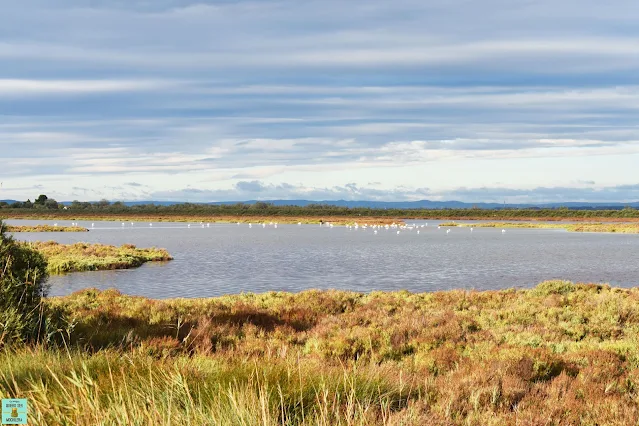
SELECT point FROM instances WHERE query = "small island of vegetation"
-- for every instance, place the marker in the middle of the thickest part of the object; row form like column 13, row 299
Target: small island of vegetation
column 44, row 228
column 62, row 258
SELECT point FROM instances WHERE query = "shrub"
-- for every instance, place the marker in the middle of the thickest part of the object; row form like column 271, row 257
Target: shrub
column 554, row 287
column 23, row 273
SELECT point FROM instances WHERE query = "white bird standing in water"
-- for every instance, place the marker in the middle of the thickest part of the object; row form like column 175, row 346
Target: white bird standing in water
column 397, row 232
column 93, row 225
column 503, row 231
column 448, row 231
column 375, row 232
column 299, row 223
column 418, row 232
column 150, row 224
column 250, row 225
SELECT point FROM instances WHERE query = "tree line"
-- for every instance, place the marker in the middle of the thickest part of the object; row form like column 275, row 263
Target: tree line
column 315, row 210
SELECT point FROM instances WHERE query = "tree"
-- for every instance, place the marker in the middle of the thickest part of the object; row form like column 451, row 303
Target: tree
column 51, row 204
column 102, row 203
column 23, row 273
column 41, row 199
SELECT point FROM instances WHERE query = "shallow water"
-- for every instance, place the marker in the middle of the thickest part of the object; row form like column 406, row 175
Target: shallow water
column 227, row 258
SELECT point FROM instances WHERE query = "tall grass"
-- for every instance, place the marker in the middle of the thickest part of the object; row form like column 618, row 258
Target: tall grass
column 109, row 389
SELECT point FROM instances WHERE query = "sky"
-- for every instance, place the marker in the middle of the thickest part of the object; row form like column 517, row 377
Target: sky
column 225, row 100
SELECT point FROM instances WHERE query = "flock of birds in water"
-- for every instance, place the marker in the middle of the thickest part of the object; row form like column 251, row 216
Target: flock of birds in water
column 394, row 226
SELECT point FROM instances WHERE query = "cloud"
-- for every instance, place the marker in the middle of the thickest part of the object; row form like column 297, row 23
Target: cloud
column 194, row 92
column 253, row 186
column 15, row 87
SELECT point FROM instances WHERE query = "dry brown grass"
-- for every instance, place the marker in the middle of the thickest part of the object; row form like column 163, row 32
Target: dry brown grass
column 560, row 354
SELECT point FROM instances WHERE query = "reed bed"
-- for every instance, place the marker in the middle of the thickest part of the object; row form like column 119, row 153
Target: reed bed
column 63, row 258
column 560, row 353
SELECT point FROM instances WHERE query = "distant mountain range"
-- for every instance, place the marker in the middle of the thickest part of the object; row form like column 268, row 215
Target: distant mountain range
column 422, row 204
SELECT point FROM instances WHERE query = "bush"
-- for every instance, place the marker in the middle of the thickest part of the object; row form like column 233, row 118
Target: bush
column 554, row 287
column 23, row 273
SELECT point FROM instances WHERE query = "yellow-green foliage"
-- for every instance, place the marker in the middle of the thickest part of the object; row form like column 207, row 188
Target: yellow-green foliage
column 46, row 228
column 626, row 228
column 560, row 353
column 63, row 258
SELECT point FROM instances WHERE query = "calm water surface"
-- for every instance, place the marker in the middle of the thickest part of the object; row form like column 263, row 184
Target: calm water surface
column 227, row 258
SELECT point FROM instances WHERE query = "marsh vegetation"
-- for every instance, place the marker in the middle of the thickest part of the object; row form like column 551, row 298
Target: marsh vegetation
column 62, row 258
column 44, row 228
column 557, row 354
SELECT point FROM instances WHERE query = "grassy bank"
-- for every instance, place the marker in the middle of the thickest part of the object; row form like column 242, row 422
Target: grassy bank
column 623, row 228
column 556, row 354
column 45, row 228
column 62, row 258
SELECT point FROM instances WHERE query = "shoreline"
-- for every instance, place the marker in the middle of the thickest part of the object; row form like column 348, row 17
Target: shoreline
column 304, row 219
column 620, row 228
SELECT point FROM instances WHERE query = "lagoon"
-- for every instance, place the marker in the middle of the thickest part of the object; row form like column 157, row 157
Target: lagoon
column 228, row 259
